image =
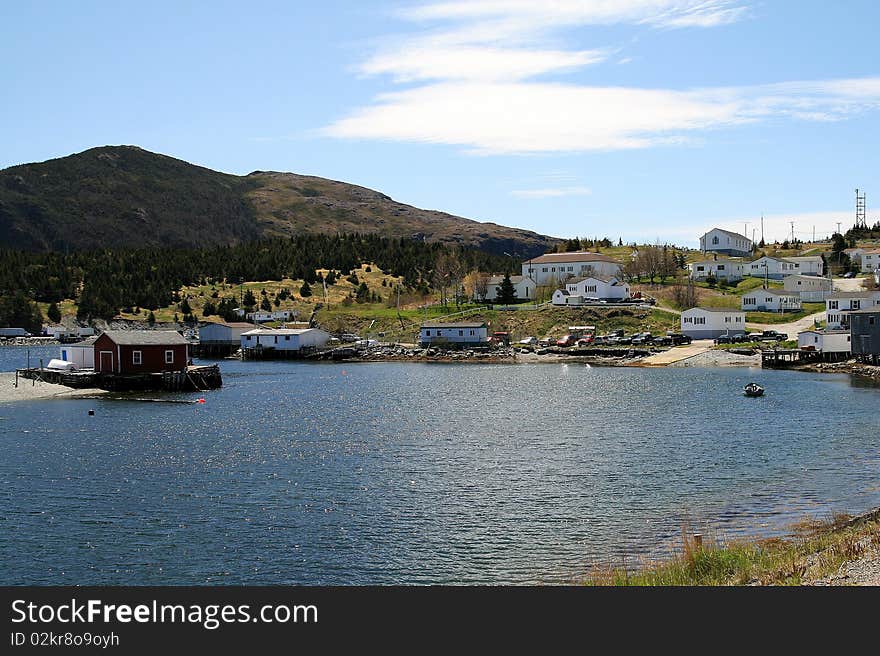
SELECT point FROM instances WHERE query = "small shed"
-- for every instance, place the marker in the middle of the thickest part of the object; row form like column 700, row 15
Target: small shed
column 140, row 351
column 81, row 354
column 864, row 328
column 463, row 333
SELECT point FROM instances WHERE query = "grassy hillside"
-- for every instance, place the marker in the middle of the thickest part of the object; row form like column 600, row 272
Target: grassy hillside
column 124, row 196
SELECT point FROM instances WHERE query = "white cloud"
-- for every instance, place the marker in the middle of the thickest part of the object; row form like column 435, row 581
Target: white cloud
column 476, row 87
column 551, row 192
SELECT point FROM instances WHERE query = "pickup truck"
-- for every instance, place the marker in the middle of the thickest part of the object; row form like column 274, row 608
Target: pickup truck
column 772, row 336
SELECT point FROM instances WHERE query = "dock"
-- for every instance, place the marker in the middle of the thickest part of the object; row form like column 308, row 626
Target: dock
column 191, row 379
column 784, row 358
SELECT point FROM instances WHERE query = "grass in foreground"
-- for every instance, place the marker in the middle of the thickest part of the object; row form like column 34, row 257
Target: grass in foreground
column 815, row 550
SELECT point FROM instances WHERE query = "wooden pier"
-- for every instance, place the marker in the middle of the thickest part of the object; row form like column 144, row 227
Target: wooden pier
column 784, row 358
column 191, row 379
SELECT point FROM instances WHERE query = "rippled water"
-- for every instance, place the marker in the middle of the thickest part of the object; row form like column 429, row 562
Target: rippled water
column 419, row 473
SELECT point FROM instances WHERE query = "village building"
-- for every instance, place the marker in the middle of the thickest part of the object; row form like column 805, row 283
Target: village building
column 778, row 268
column 726, row 242
column 435, row 333
column 81, row 354
column 523, row 285
column 870, row 261
column 262, row 316
column 14, row 332
column 855, row 254
column 838, row 306
column 290, row 340
column 557, row 268
column 770, row 300
column 140, row 352
column 723, row 269
column 865, row 333
column 834, row 345
column 223, row 332
column 591, row 289
column 811, row 289
column 710, row 323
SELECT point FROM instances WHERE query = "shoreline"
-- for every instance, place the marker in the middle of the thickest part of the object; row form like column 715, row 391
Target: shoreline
column 31, row 390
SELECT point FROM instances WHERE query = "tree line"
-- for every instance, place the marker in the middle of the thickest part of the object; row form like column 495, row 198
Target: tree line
column 105, row 281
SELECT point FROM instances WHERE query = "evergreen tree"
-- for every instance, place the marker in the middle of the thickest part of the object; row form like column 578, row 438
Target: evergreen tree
column 53, row 313
column 249, row 300
column 506, row 292
column 265, row 304
column 305, row 291
column 151, row 318
column 184, row 307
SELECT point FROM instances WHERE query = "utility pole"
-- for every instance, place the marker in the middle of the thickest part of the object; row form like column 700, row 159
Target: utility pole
column 762, row 226
column 792, row 231
column 838, row 228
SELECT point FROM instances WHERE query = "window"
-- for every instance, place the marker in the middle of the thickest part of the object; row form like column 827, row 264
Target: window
column 472, row 333
column 721, row 267
column 856, row 304
column 248, row 337
column 137, row 357
column 591, row 288
column 427, row 333
column 553, row 269
column 726, row 319
column 169, row 357
column 461, row 333
column 287, row 338
column 544, row 269
column 701, row 268
column 832, row 305
column 715, row 240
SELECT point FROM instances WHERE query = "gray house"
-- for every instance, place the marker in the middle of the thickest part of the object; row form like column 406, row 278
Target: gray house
column 864, row 326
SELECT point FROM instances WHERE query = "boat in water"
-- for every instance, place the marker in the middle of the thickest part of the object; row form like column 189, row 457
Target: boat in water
column 753, row 389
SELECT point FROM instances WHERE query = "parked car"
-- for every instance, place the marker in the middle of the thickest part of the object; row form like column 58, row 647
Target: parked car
column 586, row 340
column 849, row 274
column 529, row 341
column 568, row 340
column 724, row 339
column 772, row 335
column 678, row 338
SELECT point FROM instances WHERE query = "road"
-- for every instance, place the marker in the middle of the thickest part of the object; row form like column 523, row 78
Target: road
column 790, row 329
column 677, row 353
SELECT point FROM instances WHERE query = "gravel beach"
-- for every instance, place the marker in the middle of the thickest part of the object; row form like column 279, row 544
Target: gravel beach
column 29, row 390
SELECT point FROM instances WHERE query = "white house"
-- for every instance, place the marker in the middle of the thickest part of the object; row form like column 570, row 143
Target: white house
column 608, row 288
column 709, row 323
column 262, row 316
column 810, row 288
column 839, row 304
column 870, row 260
column 223, row 333
column 855, row 254
column 770, row 300
column 440, row 334
column 778, row 268
column 524, row 286
column 724, row 269
column 833, row 344
column 556, row 268
column 284, row 339
column 81, row 354
column 726, row 243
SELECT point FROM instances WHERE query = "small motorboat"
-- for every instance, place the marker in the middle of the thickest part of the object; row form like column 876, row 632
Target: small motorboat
column 753, row 389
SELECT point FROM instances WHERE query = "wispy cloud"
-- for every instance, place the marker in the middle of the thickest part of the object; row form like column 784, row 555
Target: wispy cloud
column 552, row 192
column 474, row 81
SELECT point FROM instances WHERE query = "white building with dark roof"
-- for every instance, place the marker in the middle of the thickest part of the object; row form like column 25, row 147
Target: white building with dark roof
column 595, row 288
column 809, row 288
column 778, row 268
column 725, row 242
column 557, row 268
column 710, row 323
column 435, row 333
column 523, row 285
column 770, row 300
column 284, row 339
column 838, row 306
column 720, row 269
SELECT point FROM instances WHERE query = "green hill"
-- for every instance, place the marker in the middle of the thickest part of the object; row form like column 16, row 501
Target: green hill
column 124, row 196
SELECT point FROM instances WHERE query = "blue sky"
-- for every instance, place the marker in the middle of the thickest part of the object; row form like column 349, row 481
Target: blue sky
column 642, row 119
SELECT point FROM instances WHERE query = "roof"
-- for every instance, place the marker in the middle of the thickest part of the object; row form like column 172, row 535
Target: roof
column 146, row 337
column 230, row 324
column 773, row 292
column 705, row 309
column 88, row 341
column 873, row 310
column 564, row 292
column 807, row 276
column 580, row 256
column 803, row 258
column 466, row 324
column 278, row 331
column 594, row 276
column 728, row 232
column 496, row 280
column 721, row 260
column 864, row 294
